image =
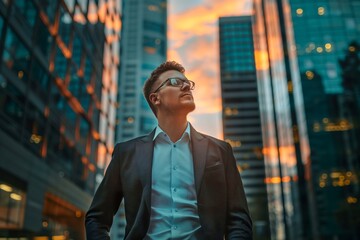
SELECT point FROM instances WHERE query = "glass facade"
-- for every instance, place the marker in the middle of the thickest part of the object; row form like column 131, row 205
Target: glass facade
column 58, row 88
column 241, row 114
column 327, row 44
column 144, row 49
column 284, row 131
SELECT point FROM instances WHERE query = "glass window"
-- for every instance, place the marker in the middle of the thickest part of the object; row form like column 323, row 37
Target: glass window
column 50, row 7
column 69, row 122
column 75, row 83
column 16, row 56
column 153, row 45
column 28, row 10
column 79, row 16
column 70, row 4
column 39, row 80
column 11, row 106
column 60, row 153
column 61, row 219
column 87, row 69
column 43, row 39
column 92, row 12
column 34, row 128
column 84, row 132
column 83, row 5
column 65, row 26
column 77, row 50
column 154, row 26
column 60, row 64
column 84, row 98
column 12, row 206
column 1, row 25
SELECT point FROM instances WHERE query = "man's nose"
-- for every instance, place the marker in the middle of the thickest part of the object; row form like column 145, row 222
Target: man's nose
column 185, row 86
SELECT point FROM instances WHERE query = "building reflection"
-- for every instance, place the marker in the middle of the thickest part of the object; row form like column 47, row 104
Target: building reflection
column 241, row 114
column 56, row 112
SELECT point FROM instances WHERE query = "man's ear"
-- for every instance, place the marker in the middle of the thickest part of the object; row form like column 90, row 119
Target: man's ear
column 154, row 99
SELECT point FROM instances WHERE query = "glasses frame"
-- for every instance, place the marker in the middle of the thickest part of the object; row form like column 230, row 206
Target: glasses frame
column 191, row 83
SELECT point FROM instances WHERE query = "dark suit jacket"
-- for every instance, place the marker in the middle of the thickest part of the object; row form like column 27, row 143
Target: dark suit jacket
column 222, row 205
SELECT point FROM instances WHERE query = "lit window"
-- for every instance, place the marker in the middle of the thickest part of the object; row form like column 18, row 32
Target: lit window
column 290, row 87
column 309, row 75
column 328, row 47
column 319, row 49
column 233, row 143
column 153, row 8
column 130, row 120
column 231, row 112
column 352, row 49
column 12, row 206
column 299, row 12
column 321, row 11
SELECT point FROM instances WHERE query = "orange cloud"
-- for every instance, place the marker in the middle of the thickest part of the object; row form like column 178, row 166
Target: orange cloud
column 193, row 41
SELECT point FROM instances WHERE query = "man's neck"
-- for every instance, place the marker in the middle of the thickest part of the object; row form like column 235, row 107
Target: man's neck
column 174, row 127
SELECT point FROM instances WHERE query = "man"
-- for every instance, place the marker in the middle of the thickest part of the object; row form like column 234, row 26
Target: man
column 176, row 183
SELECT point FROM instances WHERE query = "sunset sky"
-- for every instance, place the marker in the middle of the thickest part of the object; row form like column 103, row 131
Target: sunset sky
column 193, row 41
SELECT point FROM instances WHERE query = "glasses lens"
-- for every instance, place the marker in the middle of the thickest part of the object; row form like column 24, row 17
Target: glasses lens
column 178, row 82
column 175, row 82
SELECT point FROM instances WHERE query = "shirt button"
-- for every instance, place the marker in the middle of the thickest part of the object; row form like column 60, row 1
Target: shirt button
column 174, row 189
column 174, row 167
column 175, row 227
column 174, row 146
column 176, row 210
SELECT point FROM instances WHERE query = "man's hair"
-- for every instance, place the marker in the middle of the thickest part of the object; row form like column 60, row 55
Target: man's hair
column 166, row 66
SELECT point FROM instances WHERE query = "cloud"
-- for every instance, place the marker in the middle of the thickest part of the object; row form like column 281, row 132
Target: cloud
column 193, row 41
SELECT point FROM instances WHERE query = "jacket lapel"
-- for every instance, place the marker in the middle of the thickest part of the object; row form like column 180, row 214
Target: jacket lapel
column 199, row 149
column 144, row 157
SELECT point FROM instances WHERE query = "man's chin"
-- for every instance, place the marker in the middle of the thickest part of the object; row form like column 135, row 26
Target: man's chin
column 191, row 106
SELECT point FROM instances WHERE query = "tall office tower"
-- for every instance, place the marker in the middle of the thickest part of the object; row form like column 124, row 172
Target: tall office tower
column 143, row 45
column 327, row 37
column 241, row 114
column 143, row 48
column 285, row 143
column 51, row 99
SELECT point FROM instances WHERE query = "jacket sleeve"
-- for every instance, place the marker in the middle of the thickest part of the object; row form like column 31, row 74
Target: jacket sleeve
column 239, row 224
column 105, row 202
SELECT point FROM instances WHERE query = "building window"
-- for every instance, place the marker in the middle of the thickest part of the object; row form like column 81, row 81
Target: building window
column 11, row 107
column 62, row 219
column 42, row 39
column 1, row 25
column 28, row 10
column 12, row 206
column 16, row 56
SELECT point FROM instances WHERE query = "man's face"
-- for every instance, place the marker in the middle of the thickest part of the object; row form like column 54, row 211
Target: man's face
column 173, row 99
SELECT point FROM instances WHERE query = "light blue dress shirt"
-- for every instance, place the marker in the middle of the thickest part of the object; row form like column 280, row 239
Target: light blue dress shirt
column 174, row 213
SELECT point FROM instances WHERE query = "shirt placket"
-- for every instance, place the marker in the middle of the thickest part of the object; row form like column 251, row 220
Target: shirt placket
column 174, row 187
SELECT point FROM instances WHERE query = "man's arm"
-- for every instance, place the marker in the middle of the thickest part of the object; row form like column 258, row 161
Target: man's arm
column 105, row 202
column 239, row 224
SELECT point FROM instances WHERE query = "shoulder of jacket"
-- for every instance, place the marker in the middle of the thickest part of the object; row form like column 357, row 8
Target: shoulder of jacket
column 126, row 145
column 215, row 141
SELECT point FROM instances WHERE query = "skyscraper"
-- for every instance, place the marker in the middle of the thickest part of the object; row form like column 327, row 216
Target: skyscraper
column 51, row 100
column 143, row 48
column 241, row 114
column 325, row 33
column 285, row 142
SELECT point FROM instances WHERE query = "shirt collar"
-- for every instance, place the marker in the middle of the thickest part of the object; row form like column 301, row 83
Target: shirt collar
column 158, row 131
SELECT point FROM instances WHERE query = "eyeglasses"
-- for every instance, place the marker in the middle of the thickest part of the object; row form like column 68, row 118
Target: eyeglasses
column 176, row 82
